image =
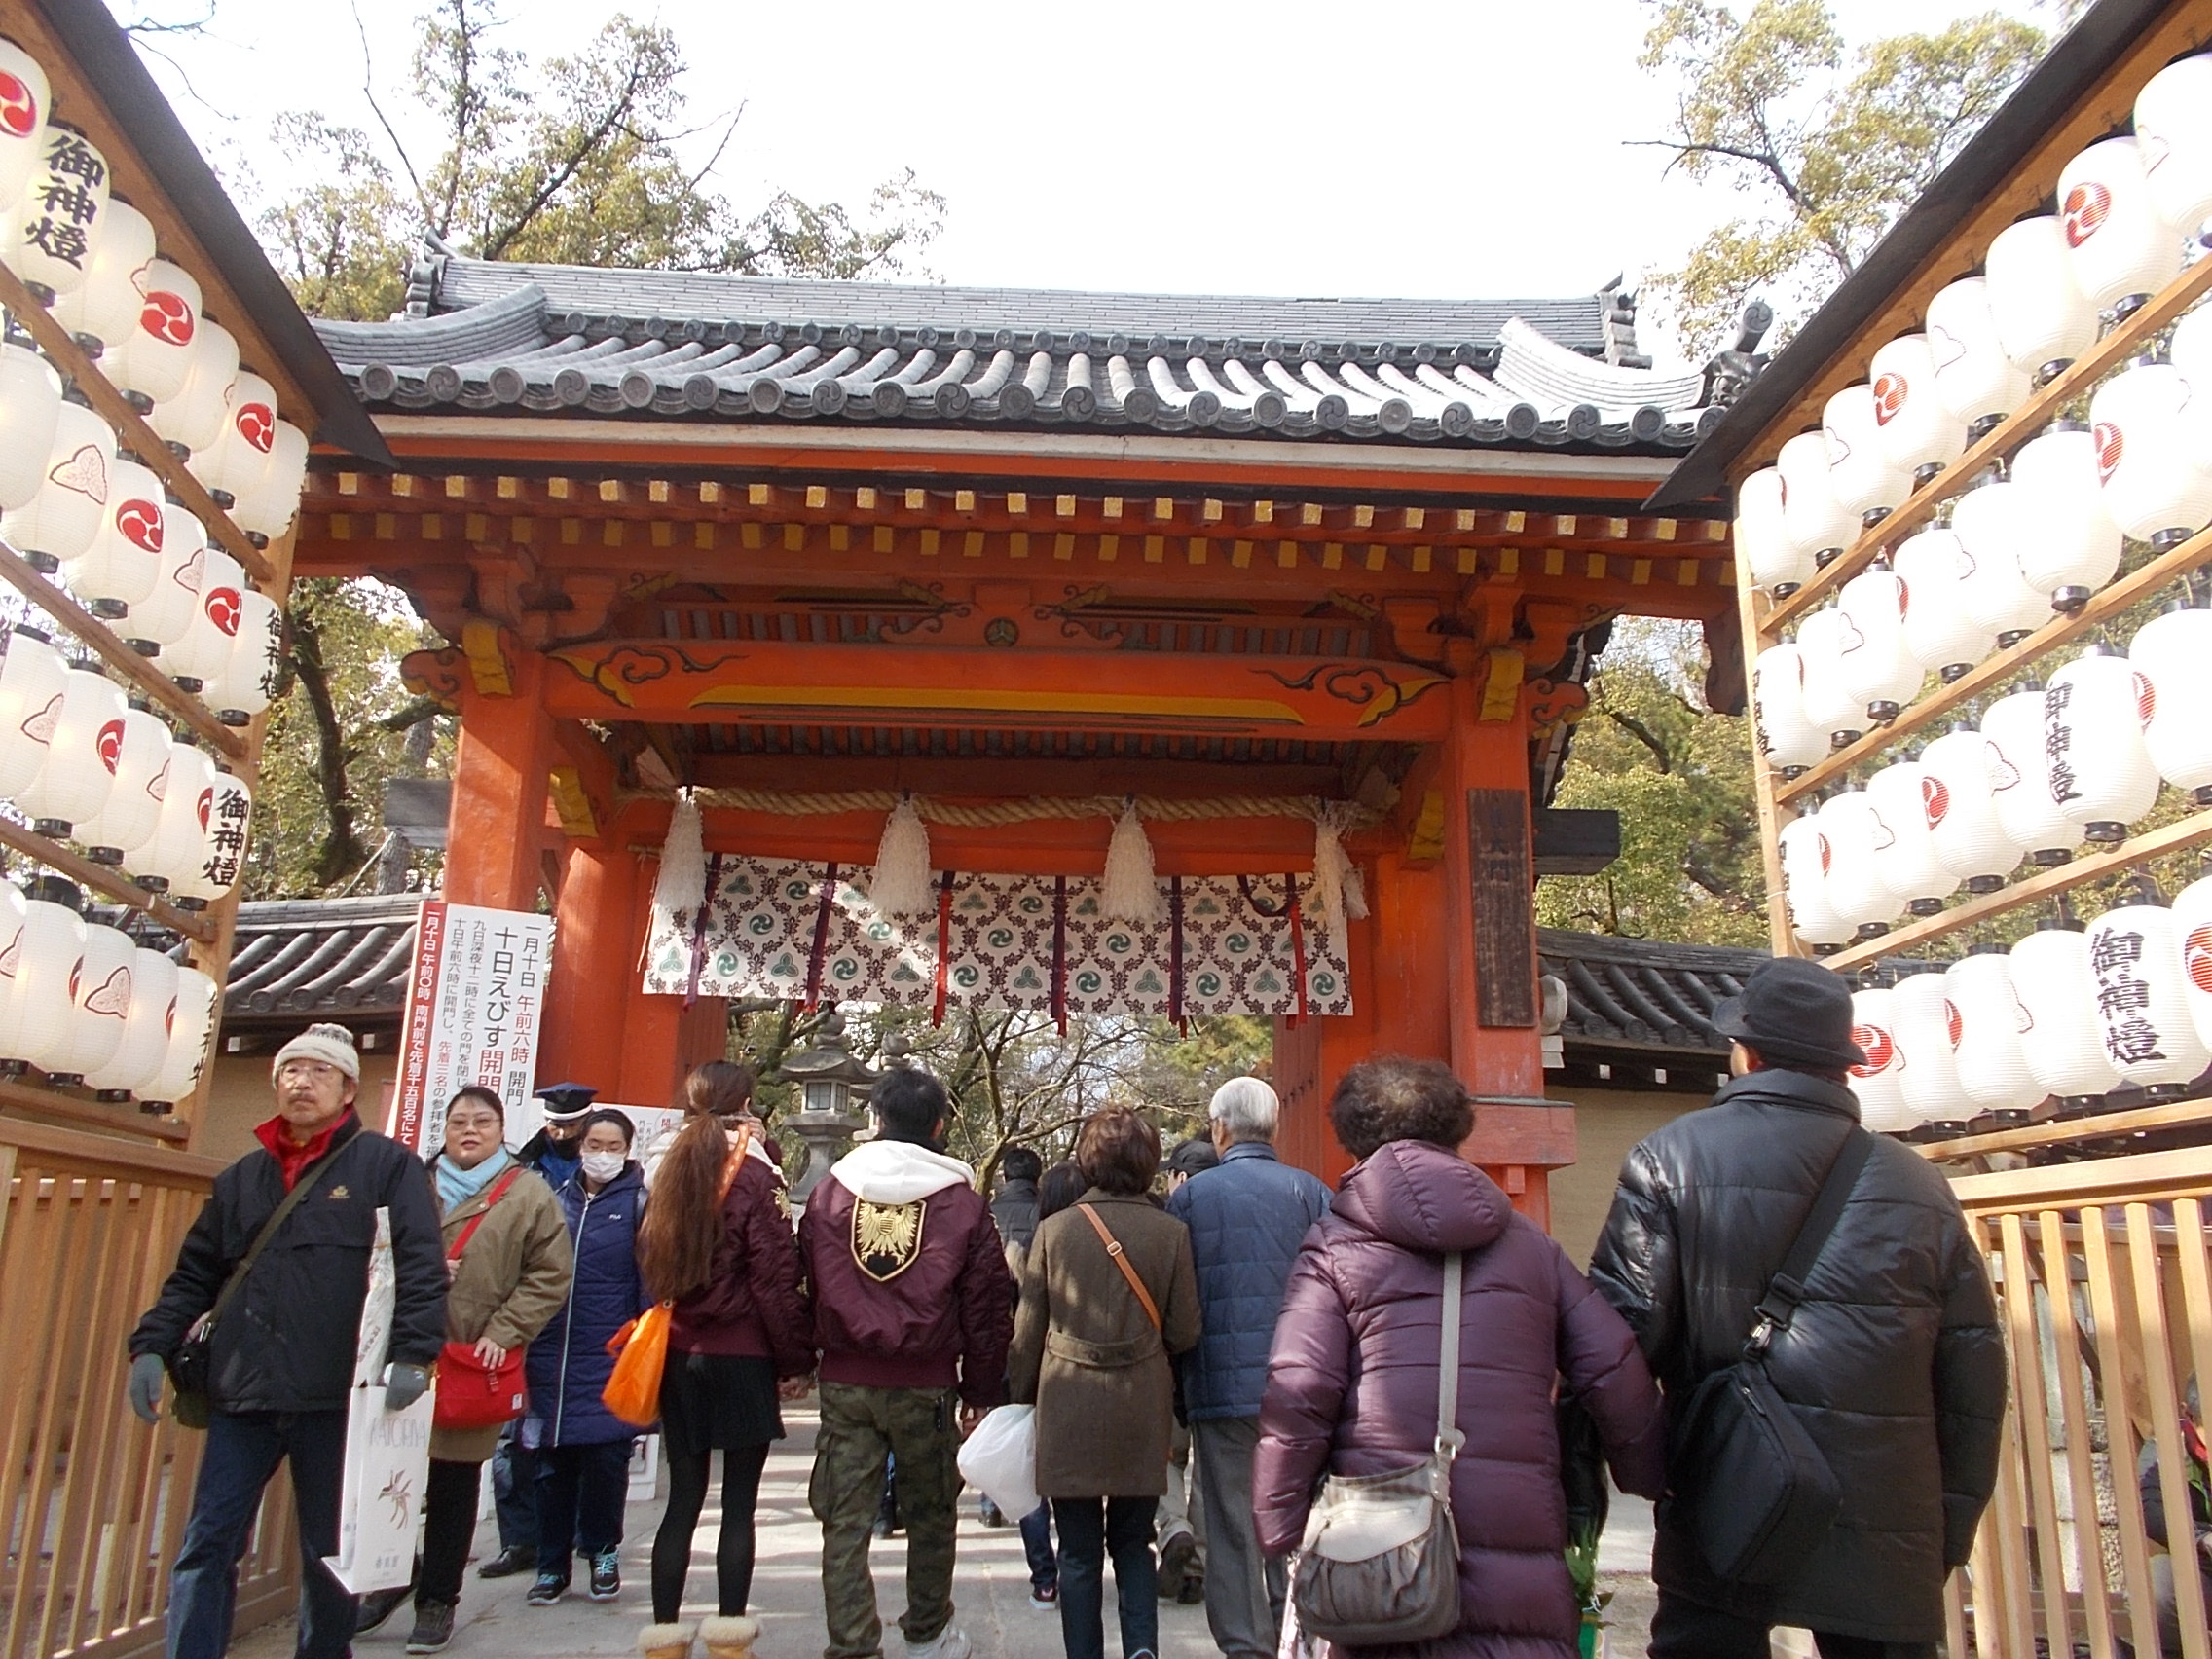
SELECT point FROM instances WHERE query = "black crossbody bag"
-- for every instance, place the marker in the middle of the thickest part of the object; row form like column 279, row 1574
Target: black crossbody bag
column 1755, row 1489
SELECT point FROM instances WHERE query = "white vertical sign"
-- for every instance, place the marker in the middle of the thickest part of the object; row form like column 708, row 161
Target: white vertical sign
column 475, row 1009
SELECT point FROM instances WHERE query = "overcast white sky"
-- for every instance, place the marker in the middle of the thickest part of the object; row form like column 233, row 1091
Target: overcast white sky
column 1429, row 149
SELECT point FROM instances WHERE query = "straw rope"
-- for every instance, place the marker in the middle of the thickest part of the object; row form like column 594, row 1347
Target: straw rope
column 1158, row 809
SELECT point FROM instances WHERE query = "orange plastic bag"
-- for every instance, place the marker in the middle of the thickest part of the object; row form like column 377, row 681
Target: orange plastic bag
column 640, row 1349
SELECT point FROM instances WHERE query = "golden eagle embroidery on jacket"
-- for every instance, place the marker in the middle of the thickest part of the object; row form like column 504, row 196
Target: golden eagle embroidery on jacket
column 887, row 1238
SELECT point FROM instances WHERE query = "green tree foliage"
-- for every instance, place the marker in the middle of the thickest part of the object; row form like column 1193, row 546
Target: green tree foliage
column 1827, row 145
column 1680, row 778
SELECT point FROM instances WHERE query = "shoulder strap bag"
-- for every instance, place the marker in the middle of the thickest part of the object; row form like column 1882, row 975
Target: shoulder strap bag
column 472, row 1394
column 1755, row 1489
column 191, row 1366
column 1120, row 1258
column 1380, row 1561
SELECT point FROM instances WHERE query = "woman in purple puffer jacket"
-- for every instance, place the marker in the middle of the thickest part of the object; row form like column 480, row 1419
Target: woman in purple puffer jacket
column 1351, row 1381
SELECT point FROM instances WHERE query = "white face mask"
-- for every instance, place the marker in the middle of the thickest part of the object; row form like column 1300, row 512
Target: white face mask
column 602, row 1165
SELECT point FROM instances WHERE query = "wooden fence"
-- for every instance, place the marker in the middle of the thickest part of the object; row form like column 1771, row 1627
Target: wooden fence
column 93, row 1502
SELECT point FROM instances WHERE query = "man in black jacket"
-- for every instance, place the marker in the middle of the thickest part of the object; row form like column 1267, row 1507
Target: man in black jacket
column 1015, row 1209
column 281, row 1359
column 1892, row 1362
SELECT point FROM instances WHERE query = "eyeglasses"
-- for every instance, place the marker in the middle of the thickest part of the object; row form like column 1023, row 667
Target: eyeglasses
column 313, row 1071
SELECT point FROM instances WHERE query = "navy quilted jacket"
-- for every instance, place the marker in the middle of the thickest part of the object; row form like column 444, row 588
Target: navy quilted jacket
column 1247, row 1218
column 568, row 1363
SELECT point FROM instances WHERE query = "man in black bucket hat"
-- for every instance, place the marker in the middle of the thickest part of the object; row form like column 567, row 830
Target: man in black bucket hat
column 1892, row 1360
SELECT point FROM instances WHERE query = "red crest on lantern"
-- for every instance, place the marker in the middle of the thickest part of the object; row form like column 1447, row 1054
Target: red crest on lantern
column 141, row 522
column 1823, row 842
column 2196, row 956
column 2146, row 699
column 2088, row 207
column 167, row 318
column 1952, row 1022
column 1935, row 797
column 18, row 110
column 2112, row 443
column 1881, row 1048
column 1890, row 393
column 110, row 745
column 223, row 606
column 257, row 424
column 206, row 808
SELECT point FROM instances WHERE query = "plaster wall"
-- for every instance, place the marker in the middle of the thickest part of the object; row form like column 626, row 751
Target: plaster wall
column 1607, row 1121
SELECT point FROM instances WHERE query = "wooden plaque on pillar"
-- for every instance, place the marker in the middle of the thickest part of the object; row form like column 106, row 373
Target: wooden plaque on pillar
column 1504, row 916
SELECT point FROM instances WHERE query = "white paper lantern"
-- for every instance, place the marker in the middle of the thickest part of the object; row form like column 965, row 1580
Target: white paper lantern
column 1988, row 521
column 1879, row 1082
column 1913, row 426
column 1817, row 523
column 139, row 1058
column 1989, row 1029
column 1939, row 630
column 225, row 819
column 2069, row 547
column 173, row 853
column 1775, row 562
column 2101, row 776
column 162, row 619
column 118, row 569
column 2064, row 1041
column 195, row 417
column 249, row 680
column 54, row 221
column 47, row 967
column 1977, row 382
column 1921, row 1021
column 204, row 650
column 33, row 677
column 2042, row 317
column 99, row 1007
column 23, row 104
column 2157, row 487
column 1854, row 833
column 30, row 407
column 1829, row 702
column 106, row 309
column 1864, row 480
column 2173, row 130
column 127, row 819
column 2174, row 653
column 12, row 910
column 1904, row 853
column 2123, row 250
column 1959, row 796
column 1789, row 741
column 1879, row 671
column 2193, row 930
column 154, row 358
column 2020, row 776
column 191, row 1030
column 270, row 507
column 1804, row 857
column 232, row 466
column 2142, row 1003
column 65, row 515
column 81, row 758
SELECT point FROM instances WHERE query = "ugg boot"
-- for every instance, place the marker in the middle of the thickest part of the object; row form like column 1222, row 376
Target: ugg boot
column 666, row 1640
column 730, row 1637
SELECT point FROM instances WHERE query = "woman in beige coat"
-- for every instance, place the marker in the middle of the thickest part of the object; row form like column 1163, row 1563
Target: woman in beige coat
column 1090, row 1349
column 508, row 1279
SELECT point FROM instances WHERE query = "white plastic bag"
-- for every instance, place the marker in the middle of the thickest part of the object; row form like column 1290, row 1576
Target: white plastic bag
column 1001, row 1458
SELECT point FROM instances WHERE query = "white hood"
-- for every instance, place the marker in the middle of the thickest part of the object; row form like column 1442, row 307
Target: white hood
column 898, row 1172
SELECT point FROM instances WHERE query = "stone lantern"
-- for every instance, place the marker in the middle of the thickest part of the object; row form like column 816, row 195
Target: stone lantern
column 830, row 1079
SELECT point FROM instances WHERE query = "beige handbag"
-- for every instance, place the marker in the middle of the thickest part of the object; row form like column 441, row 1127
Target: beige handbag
column 1381, row 1558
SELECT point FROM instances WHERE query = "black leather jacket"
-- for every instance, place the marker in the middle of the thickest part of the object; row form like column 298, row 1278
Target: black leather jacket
column 1893, row 1363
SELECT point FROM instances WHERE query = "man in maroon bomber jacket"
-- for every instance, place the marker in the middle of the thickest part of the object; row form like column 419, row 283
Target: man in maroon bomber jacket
column 913, row 1309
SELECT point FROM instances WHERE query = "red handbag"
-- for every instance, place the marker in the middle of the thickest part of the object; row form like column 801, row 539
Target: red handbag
column 470, row 1393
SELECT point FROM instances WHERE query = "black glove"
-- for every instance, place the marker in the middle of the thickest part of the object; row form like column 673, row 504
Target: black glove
column 403, row 1386
column 146, row 1371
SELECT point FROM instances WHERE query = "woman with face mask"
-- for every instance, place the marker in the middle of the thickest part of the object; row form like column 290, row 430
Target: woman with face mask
column 583, row 1449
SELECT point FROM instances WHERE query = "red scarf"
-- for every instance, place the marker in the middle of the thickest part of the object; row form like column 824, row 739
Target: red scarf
column 293, row 1158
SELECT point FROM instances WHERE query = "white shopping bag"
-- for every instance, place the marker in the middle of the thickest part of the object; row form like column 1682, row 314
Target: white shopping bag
column 388, row 1453
column 1001, row 1458
column 1295, row 1642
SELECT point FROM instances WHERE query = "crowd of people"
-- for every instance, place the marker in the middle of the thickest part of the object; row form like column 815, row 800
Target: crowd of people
column 1210, row 1356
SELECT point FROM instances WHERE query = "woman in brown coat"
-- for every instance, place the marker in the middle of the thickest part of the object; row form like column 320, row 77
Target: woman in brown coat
column 1090, row 1349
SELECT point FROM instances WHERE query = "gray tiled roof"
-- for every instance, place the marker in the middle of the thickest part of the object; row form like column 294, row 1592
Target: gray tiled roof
column 545, row 339
column 297, row 959
column 1642, row 994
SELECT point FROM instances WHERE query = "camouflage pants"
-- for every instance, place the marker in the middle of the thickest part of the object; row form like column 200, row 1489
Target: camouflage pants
column 920, row 1428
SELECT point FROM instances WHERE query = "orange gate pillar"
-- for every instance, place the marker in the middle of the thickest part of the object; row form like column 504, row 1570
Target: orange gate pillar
column 502, row 767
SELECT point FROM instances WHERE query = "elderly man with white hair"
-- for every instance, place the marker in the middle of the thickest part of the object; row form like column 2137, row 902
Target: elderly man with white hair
column 1247, row 1217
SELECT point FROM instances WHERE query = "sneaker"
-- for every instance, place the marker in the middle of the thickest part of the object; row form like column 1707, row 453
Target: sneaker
column 379, row 1606
column 546, row 1591
column 514, row 1559
column 1194, row 1591
column 433, row 1627
column 605, row 1576
column 1044, row 1597
column 951, row 1642
column 1175, row 1560
column 990, row 1514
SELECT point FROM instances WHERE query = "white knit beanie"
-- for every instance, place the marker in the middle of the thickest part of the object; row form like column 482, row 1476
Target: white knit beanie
column 333, row 1045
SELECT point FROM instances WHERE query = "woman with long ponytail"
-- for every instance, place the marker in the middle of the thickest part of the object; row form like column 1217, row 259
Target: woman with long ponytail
column 716, row 1243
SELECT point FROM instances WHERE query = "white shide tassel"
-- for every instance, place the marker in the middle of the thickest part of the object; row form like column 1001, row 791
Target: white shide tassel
column 682, row 884
column 1131, row 892
column 1339, row 890
column 900, row 884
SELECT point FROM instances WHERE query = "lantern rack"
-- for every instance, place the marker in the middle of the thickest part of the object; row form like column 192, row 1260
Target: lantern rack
column 2065, row 1131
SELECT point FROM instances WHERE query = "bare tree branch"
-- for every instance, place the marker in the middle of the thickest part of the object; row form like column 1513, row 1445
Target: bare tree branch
column 369, row 91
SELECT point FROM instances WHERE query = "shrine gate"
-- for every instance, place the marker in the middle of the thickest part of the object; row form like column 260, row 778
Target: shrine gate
column 805, row 548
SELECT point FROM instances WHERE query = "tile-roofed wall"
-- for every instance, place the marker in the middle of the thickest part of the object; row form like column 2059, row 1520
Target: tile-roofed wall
column 1642, row 994
column 544, row 338
column 300, row 960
